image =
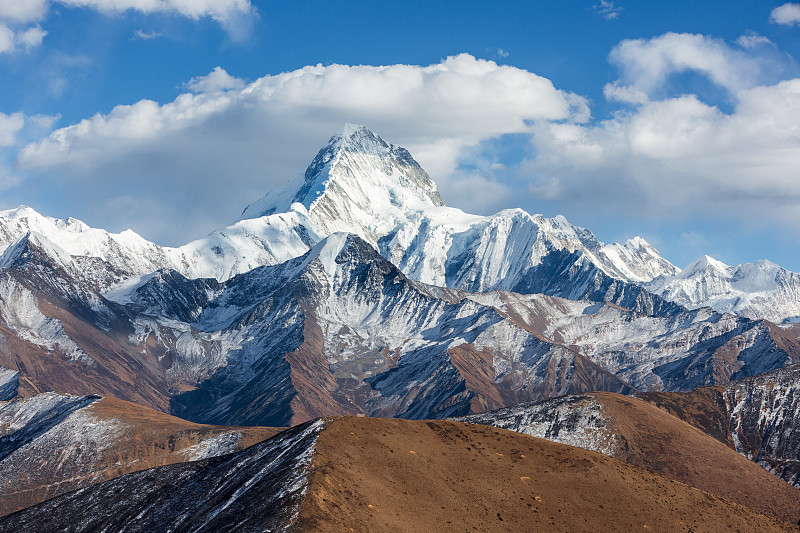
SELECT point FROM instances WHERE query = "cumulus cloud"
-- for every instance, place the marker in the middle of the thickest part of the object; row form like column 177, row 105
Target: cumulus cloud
column 678, row 155
column 646, row 64
column 192, row 164
column 787, row 14
column 216, row 81
column 255, row 136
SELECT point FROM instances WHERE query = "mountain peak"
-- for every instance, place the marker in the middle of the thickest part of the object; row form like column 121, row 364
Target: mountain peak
column 357, row 183
column 706, row 264
column 33, row 246
column 352, row 130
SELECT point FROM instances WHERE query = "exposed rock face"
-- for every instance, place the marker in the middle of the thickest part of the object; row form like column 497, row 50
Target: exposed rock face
column 765, row 421
column 9, row 384
column 51, row 444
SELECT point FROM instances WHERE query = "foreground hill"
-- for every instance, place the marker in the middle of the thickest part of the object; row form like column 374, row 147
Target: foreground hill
column 365, row 474
column 52, row 443
column 640, row 433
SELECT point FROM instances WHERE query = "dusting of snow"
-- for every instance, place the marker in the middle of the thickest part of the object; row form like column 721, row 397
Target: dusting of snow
column 296, row 483
column 21, row 314
column 213, row 446
column 765, row 421
column 9, row 383
column 576, row 420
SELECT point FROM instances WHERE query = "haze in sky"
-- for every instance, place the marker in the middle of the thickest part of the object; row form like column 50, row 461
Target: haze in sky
column 678, row 121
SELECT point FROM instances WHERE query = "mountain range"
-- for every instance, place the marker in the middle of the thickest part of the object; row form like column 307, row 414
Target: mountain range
column 355, row 290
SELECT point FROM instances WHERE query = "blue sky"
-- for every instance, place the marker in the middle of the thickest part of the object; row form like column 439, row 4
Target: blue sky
column 677, row 121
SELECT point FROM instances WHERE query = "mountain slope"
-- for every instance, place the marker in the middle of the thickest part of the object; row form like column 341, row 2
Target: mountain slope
column 759, row 417
column 639, row 433
column 678, row 352
column 256, row 489
column 52, row 444
column 389, row 475
column 341, row 330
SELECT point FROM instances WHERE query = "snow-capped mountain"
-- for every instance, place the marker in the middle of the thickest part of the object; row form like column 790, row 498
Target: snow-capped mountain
column 754, row 290
column 275, row 320
column 360, row 184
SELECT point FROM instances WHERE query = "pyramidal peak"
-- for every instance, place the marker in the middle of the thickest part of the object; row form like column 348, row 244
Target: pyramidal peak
column 705, row 264
column 357, row 183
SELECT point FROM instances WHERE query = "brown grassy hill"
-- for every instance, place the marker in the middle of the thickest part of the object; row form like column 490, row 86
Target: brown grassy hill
column 104, row 440
column 658, row 441
column 380, row 475
column 759, row 417
column 395, row 475
column 644, row 435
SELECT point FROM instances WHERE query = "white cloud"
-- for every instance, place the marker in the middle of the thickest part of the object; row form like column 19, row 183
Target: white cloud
column 10, row 126
column 682, row 157
column 787, row 14
column 752, row 40
column 23, row 11
column 216, row 81
column 607, row 10
column 235, row 16
column 7, row 39
column 146, row 36
column 219, row 10
column 31, row 37
column 255, row 136
column 16, row 129
column 646, row 64
column 11, row 41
